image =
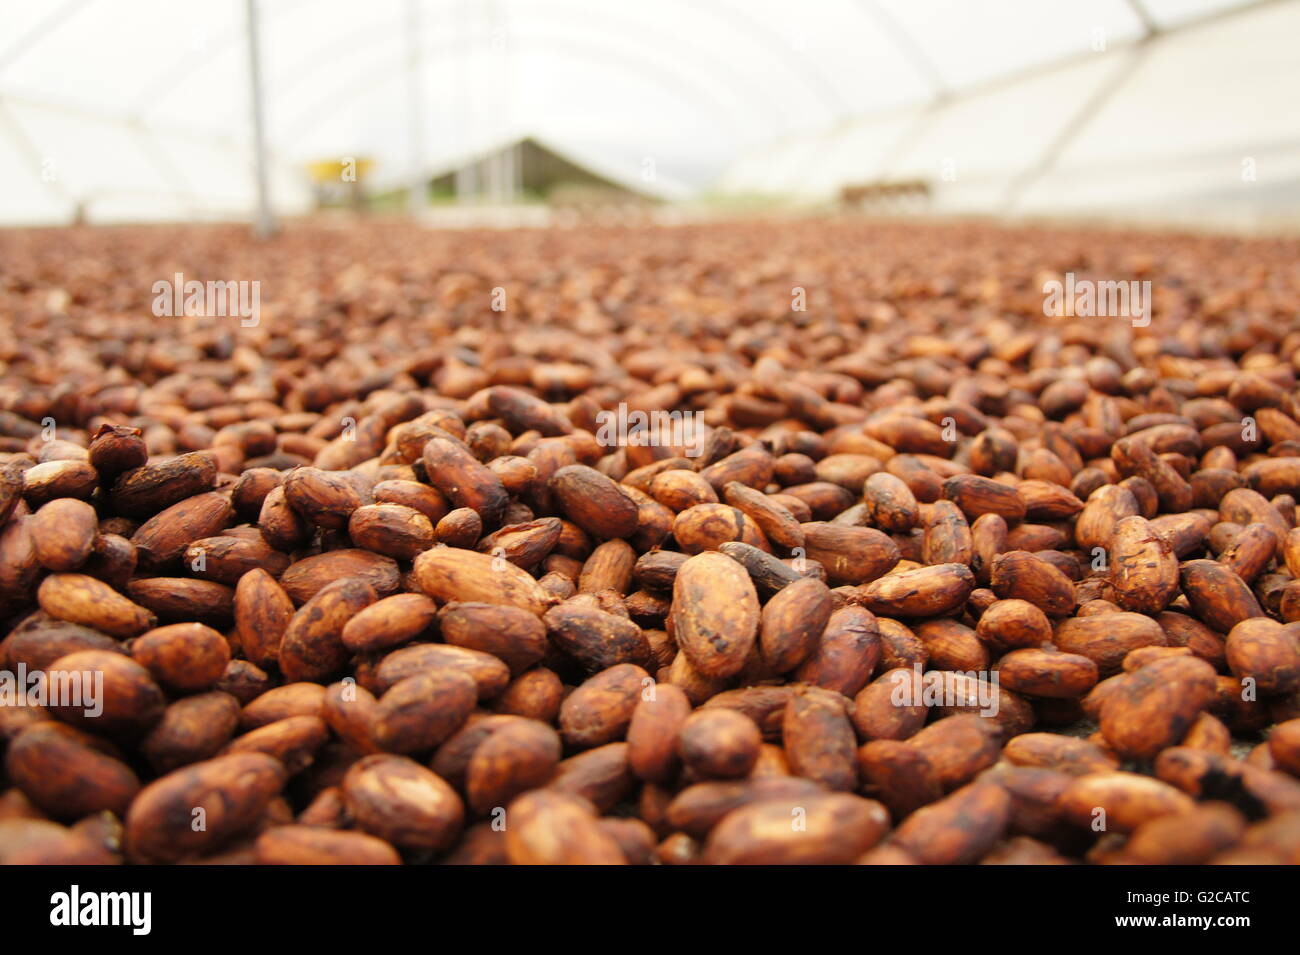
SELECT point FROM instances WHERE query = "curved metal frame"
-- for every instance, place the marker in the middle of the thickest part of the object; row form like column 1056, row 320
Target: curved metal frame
column 332, row 52
column 172, row 77
column 56, row 18
column 349, row 89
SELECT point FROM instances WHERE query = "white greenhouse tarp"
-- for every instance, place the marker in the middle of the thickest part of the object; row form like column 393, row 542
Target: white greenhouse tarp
column 1198, row 125
column 119, row 110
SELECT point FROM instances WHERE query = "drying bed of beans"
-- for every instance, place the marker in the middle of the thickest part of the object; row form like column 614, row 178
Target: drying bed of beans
column 782, row 542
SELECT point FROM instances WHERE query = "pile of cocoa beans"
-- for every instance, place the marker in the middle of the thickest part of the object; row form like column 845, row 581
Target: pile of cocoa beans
column 902, row 570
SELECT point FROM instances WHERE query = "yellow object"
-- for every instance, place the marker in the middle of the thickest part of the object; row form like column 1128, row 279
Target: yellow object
column 341, row 169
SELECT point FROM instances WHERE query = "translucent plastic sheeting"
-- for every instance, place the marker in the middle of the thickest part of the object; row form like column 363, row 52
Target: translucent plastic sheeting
column 139, row 109
column 1201, row 125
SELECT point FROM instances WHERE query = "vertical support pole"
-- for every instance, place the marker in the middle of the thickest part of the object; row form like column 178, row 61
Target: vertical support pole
column 265, row 223
column 415, row 196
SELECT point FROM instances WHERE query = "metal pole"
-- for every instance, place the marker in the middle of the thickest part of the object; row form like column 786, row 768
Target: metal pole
column 48, row 24
column 415, row 197
column 265, row 225
column 1149, row 26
